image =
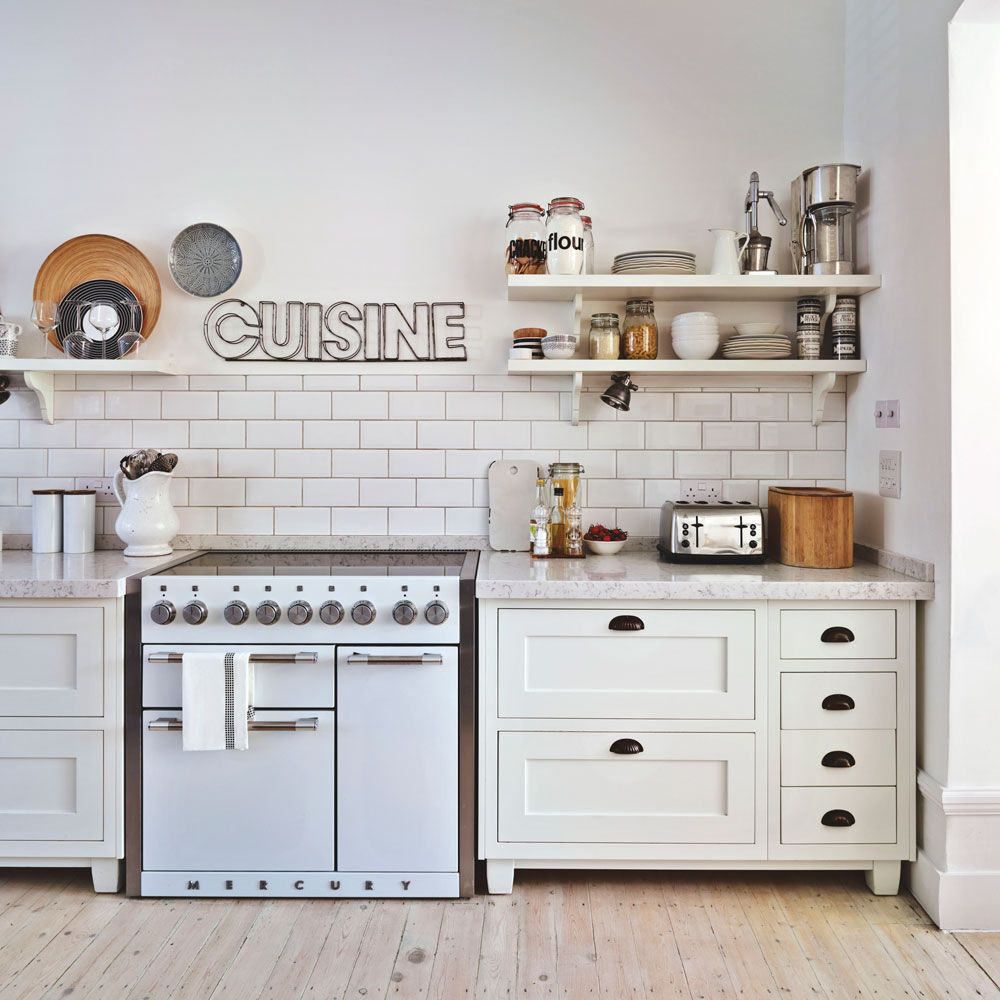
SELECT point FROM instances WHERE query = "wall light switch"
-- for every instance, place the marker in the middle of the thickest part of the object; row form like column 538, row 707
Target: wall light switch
column 892, row 413
column 880, row 405
column 889, row 473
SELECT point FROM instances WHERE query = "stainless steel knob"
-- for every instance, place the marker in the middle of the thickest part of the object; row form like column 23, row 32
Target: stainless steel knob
column 195, row 613
column 268, row 612
column 404, row 613
column 236, row 612
column 363, row 613
column 299, row 612
column 331, row 613
column 162, row 613
column 436, row 612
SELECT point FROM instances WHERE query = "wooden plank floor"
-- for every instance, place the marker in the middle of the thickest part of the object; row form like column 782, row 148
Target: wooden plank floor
column 571, row 935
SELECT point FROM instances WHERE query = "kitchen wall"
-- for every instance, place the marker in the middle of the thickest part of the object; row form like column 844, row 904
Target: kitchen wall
column 368, row 164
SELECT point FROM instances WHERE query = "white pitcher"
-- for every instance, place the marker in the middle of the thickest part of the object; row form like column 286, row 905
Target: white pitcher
column 147, row 522
column 729, row 247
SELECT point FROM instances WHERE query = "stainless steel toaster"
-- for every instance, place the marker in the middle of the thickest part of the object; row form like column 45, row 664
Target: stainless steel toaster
column 699, row 531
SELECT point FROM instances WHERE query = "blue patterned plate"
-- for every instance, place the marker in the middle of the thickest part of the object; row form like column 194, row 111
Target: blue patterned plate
column 205, row 259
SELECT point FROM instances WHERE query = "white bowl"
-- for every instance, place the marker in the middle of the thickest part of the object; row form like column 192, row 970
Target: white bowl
column 691, row 316
column 559, row 352
column 700, row 324
column 756, row 329
column 604, row 548
column 559, row 338
column 693, row 330
column 696, row 350
column 521, row 354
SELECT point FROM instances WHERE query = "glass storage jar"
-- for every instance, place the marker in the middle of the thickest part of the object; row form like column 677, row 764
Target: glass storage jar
column 640, row 339
column 588, row 244
column 566, row 476
column 564, row 235
column 605, row 337
column 525, row 239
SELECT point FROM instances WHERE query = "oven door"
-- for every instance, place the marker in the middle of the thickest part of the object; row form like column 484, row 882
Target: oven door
column 397, row 752
column 269, row 808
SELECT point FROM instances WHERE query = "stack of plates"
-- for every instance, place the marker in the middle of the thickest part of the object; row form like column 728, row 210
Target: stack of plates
column 760, row 347
column 654, row 262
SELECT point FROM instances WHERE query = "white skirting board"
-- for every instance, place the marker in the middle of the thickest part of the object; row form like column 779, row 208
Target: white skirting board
column 965, row 895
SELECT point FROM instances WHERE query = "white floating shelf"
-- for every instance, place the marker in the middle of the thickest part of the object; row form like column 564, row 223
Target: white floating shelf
column 824, row 373
column 685, row 287
column 40, row 373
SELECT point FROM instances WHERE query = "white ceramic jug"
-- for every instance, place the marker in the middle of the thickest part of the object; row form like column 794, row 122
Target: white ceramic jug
column 147, row 522
column 729, row 247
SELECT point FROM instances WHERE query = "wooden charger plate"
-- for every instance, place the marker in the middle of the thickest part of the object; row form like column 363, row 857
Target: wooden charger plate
column 85, row 258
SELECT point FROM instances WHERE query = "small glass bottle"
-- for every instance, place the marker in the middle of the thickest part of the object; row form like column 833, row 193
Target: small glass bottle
column 525, row 239
column 557, row 523
column 588, row 244
column 540, row 512
column 639, row 334
column 564, row 236
column 574, row 530
column 605, row 337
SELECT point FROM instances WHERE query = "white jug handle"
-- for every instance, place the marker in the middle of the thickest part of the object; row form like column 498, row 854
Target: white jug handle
column 118, row 487
column 742, row 241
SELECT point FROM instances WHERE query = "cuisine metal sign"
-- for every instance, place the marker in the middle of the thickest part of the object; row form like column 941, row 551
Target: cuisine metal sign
column 344, row 331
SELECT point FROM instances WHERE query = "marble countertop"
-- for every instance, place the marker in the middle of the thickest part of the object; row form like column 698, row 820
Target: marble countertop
column 641, row 576
column 90, row 574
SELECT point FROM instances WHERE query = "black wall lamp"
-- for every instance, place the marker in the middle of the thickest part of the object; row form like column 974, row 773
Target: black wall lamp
column 618, row 395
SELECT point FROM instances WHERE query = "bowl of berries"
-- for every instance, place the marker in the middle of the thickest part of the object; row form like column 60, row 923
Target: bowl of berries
column 604, row 541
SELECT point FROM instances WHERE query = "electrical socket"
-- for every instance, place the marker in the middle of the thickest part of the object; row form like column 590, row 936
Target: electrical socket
column 701, row 489
column 890, row 473
column 102, row 486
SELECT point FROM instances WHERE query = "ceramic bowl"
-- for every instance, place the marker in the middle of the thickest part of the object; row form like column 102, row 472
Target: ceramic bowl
column 756, row 329
column 701, row 331
column 559, row 352
column 521, row 354
column 691, row 317
column 696, row 350
column 604, row 548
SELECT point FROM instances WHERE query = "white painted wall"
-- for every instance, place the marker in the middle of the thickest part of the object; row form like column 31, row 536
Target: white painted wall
column 896, row 128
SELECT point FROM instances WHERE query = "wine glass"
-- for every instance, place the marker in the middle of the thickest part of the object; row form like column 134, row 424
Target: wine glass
column 45, row 316
column 102, row 317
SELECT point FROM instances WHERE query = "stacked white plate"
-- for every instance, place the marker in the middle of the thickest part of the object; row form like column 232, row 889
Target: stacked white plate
column 757, row 347
column 654, row 262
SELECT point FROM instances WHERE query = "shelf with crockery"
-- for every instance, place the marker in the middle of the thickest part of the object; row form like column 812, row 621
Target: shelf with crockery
column 824, row 373
column 685, row 287
column 40, row 373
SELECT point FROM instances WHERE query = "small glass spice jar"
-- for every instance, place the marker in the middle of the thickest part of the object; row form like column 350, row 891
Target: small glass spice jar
column 640, row 339
column 605, row 337
column 525, row 239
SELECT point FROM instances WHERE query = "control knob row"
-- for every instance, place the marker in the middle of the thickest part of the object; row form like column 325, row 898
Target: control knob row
column 299, row 613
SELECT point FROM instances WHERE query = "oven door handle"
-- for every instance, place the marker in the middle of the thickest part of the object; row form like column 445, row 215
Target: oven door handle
column 388, row 660
column 254, row 658
column 258, row 725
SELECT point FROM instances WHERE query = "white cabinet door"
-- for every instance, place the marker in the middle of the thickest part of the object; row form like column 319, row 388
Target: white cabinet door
column 838, row 815
column 51, row 785
column 838, row 634
column 51, row 661
column 838, row 701
column 568, row 663
column 838, row 757
column 681, row 788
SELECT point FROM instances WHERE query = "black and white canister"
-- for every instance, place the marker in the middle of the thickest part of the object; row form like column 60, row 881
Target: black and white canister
column 844, row 328
column 808, row 328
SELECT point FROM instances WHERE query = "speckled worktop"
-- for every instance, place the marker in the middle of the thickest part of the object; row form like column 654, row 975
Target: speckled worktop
column 58, row 574
column 641, row 576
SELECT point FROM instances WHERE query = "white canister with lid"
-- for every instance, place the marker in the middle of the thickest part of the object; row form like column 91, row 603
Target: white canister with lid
column 46, row 520
column 79, row 520
column 564, row 234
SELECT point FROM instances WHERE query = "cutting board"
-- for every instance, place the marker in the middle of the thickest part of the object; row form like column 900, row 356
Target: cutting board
column 512, row 497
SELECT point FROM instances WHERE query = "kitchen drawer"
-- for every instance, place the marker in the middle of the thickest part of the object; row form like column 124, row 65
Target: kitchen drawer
column 276, row 685
column 572, row 788
column 564, row 663
column 838, row 757
column 51, row 785
column 871, row 812
column 837, row 634
column 838, row 701
column 52, row 661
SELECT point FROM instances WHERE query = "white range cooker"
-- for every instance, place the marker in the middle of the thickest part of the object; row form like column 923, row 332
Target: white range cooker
column 359, row 776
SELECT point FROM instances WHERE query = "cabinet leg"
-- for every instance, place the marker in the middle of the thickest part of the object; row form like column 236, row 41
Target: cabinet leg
column 883, row 879
column 500, row 876
column 106, row 873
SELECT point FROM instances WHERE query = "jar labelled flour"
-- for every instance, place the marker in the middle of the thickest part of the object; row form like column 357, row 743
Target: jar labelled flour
column 564, row 232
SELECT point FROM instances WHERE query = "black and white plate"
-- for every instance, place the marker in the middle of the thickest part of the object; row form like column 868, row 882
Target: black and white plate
column 81, row 339
column 205, row 259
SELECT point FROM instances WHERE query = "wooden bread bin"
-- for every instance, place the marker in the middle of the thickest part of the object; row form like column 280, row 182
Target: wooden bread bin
column 810, row 526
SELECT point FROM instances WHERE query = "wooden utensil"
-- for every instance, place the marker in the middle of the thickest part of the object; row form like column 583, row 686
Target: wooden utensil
column 85, row 258
column 810, row 526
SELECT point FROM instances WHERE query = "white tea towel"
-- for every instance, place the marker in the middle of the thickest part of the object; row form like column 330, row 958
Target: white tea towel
column 217, row 699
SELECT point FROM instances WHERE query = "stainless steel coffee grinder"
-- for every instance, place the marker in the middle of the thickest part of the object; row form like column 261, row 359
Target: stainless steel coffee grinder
column 825, row 200
column 758, row 246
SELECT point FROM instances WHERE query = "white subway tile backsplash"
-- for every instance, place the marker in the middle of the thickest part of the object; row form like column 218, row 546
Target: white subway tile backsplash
column 9, row 435
column 617, row 435
column 23, row 461
column 416, row 405
column 503, row 434
column 195, row 462
column 360, row 405
column 650, row 406
column 360, row 520
column 246, row 405
column 363, row 462
column 467, row 521
column 198, row 520
column 474, row 405
column 287, row 383
column 214, row 433
column 308, row 463
column 8, row 492
column 183, row 405
column 392, row 383
column 217, row 492
column 599, row 464
column 674, row 435
column 302, row 405
column 446, row 383
column 342, row 383
column 444, row 493
column 639, row 521
column 531, row 406
column 388, row 434
column 330, row 492
column 416, row 521
column 165, row 435
column 702, row 406
column 470, row 464
column 759, row 464
column 246, row 521
column 331, row 434
column 107, row 381
column 76, row 462
column 99, row 433
column 23, row 405
column 692, row 464
column 760, row 406
column 415, row 463
column 829, row 437
column 816, row 464
column 250, row 462
column 302, row 520
column 800, row 406
column 558, row 434
column 444, row 434
column 388, row 493
column 274, row 434
column 26, row 486
column 646, row 464
column 614, row 492
column 786, row 435
column 276, row 492
column 35, row 434
column 658, row 491
column 216, row 382
column 69, row 406
column 729, row 435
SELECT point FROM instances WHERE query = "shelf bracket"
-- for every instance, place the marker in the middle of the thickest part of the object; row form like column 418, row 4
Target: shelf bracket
column 823, row 382
column 42, row 384
column 575, row 402
column 577, row 314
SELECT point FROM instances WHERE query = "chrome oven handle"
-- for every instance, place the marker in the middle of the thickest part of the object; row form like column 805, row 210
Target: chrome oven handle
column 259, row 725
column 254, row 657
column 387, row 660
